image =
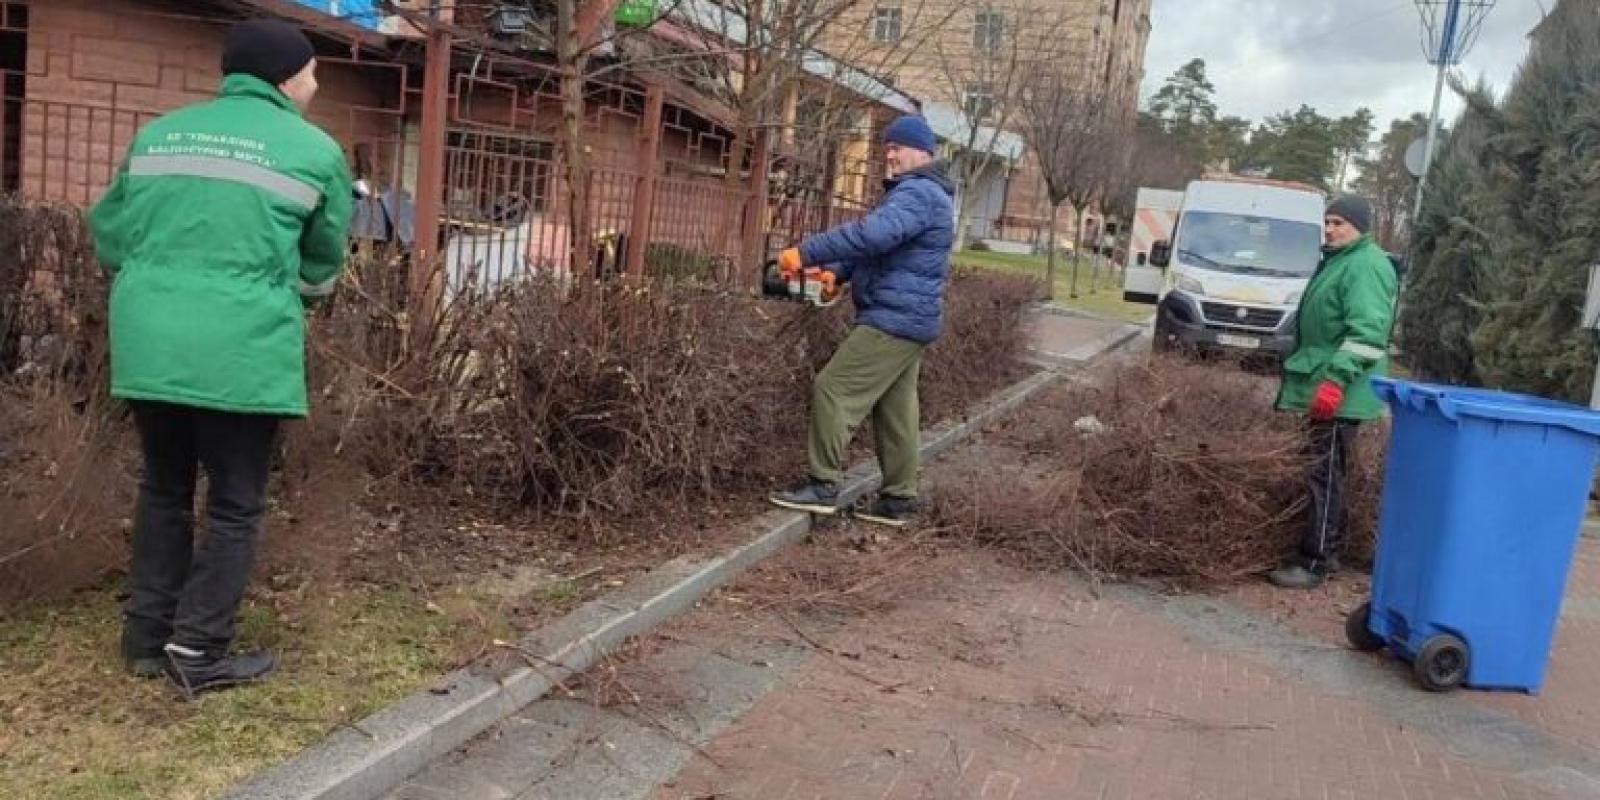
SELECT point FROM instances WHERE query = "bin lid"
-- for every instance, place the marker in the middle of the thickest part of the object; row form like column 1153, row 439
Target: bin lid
column 1454, row 402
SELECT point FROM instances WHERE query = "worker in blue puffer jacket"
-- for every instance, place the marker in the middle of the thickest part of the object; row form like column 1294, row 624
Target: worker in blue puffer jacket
column 897, row 259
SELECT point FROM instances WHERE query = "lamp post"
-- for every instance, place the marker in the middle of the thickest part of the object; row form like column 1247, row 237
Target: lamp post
column 1449, row 29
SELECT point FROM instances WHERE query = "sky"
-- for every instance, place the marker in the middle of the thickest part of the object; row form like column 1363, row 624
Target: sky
column 1267, row 56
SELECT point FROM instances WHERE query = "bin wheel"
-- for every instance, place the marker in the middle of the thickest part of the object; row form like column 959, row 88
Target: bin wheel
column 1441, row 664
column 1361, row 637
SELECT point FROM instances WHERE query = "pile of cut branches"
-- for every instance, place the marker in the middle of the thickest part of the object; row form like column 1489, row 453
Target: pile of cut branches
column 1162, row 469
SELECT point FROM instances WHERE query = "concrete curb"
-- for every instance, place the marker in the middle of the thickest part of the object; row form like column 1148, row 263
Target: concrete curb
column 1088, row 352
column 1059, row 310
column 366, row 760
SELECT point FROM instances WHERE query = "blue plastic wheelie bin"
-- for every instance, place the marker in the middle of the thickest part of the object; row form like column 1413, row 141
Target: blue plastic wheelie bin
column 1483, row 500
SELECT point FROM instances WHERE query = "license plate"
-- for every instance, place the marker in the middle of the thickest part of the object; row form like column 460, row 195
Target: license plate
column 1245, row 342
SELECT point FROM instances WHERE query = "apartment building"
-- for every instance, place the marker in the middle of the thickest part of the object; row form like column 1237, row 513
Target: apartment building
column 966, row 60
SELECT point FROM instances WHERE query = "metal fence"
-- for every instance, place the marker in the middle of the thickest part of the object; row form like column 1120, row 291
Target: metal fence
column 61, row 152
column 505, row 212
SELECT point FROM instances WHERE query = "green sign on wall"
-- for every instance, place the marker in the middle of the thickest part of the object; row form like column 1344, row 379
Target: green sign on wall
column 638, row 13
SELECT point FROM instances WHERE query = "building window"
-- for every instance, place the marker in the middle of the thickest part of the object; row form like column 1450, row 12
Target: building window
column 886, row 24
column 978, row 101
column 988, row 31
column 1116, row 14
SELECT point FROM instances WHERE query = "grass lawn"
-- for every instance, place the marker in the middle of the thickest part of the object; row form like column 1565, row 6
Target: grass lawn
column 1102, row 297
column 74, row 726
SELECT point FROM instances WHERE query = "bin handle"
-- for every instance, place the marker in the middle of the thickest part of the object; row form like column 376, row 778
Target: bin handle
column 1417, row 398
column 1448, row 408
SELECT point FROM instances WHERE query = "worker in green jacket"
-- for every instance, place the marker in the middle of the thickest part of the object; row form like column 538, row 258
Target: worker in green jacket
column 1345, row 317
column 225, row 217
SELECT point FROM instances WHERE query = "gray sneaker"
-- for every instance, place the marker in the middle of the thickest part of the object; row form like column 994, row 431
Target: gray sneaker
column 896, row 512
column 194, row 672
column 1295, row 576
column 812, row 497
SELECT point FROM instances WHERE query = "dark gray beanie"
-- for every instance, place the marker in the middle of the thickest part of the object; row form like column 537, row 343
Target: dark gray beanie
column 1352, row 209
column 271, row 50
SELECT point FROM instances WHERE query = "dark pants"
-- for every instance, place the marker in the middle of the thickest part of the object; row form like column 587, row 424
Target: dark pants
column 177, row 594
column 1329, row 444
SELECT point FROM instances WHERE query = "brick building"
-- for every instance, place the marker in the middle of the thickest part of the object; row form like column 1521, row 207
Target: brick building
column 81, row 76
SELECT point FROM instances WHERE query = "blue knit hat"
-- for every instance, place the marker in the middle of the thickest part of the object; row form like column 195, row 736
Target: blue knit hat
column 913, row 132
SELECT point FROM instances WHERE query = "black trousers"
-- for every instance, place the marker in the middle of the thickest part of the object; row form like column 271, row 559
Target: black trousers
column 1329, row 445
column 177, row 594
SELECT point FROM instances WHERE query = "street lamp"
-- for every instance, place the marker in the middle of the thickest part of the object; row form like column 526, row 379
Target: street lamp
column 1449, row 29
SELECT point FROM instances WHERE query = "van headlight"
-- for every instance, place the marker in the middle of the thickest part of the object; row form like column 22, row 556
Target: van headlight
column 1191, row 285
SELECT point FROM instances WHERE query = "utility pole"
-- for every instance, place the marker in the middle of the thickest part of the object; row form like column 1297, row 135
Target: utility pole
column 1441, row 58
column 1448, row 38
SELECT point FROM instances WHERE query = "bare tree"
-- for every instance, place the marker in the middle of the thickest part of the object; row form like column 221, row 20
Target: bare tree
column 572, row 60
column 1080, row 140
column 982, row 74
column 763, row 61
column 1155, row 159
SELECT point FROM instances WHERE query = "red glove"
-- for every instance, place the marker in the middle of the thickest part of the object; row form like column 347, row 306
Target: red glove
column 1325, row 403
column 789, row 263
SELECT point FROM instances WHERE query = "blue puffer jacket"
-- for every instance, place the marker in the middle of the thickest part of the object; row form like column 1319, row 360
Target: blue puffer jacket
column 898, row 256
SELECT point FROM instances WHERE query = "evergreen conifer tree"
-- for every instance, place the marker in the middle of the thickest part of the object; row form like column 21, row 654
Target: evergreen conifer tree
column 1541, row 211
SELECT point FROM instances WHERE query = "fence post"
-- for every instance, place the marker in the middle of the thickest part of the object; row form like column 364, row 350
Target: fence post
column 644, row 194
column 830, row 184
column 430, row 172
column 751, row 251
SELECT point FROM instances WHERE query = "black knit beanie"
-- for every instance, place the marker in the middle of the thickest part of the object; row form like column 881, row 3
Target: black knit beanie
column 271, row 50
column 1352, row 209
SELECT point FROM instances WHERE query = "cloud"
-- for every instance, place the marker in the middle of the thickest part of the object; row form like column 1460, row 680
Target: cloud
column 1267, row 56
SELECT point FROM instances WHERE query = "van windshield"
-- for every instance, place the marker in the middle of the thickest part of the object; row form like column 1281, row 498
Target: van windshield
column 1249, row 245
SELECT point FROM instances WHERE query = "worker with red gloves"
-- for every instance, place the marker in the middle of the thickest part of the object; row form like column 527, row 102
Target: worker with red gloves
column 1344, row 321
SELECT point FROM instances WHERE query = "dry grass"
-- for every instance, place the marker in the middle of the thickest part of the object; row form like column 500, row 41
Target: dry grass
column 74, row 727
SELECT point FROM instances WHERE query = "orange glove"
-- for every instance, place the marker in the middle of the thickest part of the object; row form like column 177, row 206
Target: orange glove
column 1325, row 403
column 789, row 263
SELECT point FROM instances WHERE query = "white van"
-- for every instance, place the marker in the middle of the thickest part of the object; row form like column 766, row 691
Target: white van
column 1233, row 271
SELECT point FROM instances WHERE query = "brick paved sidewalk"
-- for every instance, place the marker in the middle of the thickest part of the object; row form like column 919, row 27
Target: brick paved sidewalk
column 1020, row 686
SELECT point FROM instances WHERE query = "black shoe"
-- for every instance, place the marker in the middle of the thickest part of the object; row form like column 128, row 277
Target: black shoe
column 195, row 672
column 139, row 659
column 145, row 666
column 812, row 497
column 896, row 512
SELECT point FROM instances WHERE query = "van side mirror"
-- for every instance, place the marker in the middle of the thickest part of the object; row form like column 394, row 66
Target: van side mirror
column 1161, row 253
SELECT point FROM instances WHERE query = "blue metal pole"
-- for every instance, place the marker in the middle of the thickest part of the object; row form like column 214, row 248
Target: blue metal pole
column 1452, row 24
